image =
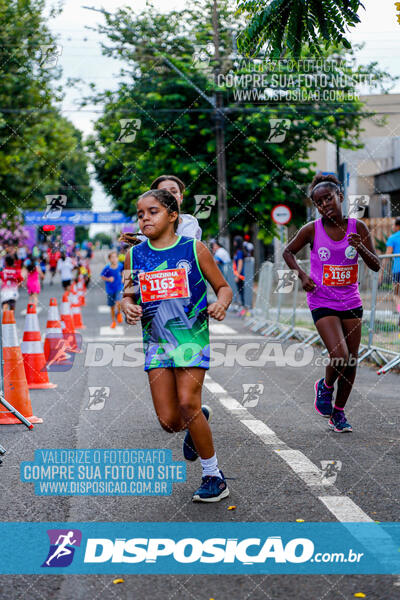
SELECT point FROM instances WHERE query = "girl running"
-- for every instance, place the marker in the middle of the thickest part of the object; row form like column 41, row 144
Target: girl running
column 34, row 276
column 167, row 291
column 332, row 291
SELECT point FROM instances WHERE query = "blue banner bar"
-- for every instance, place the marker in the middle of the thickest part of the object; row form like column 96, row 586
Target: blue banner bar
column 206, row 547
column 74, row 217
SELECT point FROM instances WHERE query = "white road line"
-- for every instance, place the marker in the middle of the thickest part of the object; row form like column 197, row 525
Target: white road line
column 112, row 332
column 214, row 387
column 231, row 404
column 220, row 328
column 302, row 466
column 103, row 309
column 342, row 507
column 263, row 432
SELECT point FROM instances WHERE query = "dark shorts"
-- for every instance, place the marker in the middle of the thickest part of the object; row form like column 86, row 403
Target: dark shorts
column 113, row 298
column 353, row 313
column 66, row 283
column 11, row 304
column 396, row 277
column 53, row 269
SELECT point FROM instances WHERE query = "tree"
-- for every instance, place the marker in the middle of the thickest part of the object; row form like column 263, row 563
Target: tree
column 173, row 126
column 280, row 27
column 11, row 231
column 38, row 148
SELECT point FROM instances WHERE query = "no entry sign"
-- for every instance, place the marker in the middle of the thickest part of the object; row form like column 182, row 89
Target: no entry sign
column 281, row 214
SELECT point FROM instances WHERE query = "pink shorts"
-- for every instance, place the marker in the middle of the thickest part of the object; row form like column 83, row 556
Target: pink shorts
column 33, row 288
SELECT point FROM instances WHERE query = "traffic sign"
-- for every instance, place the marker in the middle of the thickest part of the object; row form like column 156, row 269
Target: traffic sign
column 281, row 214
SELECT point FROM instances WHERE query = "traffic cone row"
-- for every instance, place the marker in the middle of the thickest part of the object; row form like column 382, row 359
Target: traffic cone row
column 33, row 354
column 16, row 390
column 76, row 308
column 25, row 367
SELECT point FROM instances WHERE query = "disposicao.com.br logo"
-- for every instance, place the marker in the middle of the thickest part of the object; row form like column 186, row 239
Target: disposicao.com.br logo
column 247, row 551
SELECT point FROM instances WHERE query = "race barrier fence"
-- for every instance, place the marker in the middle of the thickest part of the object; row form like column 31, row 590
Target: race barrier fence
column 281, row 311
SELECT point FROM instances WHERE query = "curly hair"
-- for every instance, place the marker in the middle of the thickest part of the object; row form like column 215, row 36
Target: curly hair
column 329, row 180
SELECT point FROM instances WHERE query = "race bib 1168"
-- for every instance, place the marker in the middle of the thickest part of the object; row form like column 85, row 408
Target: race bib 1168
column 339, row 275
column 164, row 285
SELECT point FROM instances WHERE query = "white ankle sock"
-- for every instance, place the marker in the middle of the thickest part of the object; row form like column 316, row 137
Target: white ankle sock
column 210, row 466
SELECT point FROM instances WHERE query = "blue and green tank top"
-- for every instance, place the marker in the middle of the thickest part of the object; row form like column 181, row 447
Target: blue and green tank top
column 175, row 331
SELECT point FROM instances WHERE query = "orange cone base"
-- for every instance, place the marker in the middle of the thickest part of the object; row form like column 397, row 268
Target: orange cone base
column 80, row 327
column 42, row 386
column 10, row 419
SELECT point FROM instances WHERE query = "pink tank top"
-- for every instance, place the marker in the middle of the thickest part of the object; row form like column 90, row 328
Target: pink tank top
column 334, row 269
column 33, row 278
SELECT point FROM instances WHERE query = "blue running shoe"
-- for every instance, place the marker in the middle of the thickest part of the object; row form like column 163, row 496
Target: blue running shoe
column 212, row 489
column 189, row 450
column 323, row 399
column 339, row 423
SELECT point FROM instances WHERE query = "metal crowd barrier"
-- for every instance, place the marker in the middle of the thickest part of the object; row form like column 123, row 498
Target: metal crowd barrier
column 281, row 311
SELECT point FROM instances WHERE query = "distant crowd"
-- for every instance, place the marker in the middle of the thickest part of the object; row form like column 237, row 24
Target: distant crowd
column 21, row 266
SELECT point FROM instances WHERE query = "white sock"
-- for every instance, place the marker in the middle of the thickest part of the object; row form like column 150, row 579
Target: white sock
column 210, row 466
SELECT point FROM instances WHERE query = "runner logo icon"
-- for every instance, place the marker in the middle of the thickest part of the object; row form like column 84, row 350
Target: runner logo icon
column 62, row 547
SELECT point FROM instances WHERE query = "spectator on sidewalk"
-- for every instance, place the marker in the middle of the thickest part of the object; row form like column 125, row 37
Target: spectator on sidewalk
column 393, row 247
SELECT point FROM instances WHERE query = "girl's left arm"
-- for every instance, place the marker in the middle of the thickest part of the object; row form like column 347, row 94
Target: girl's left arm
column 364, row 245
column 213, row 275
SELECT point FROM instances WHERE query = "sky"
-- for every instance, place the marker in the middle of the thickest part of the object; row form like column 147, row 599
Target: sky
column 81, row 53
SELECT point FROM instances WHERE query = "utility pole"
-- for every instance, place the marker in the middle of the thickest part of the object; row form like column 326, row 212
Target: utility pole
column 220, row 138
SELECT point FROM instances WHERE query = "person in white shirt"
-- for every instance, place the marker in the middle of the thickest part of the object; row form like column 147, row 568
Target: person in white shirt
column 221, row 256
column 188, row 225
column 65, row 266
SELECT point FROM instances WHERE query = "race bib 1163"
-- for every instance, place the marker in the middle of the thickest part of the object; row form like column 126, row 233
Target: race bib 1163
column 164, row 285
column 339, row 275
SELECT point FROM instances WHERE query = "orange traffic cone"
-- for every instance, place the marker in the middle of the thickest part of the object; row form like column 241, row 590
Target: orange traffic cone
column 67, row 325
column 54, row 343
column 81, row 290
column 76, row 309
column 16, row 390
column 33, row 355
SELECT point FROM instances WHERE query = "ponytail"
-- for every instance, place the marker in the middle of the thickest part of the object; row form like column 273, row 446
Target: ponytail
column 130, row 239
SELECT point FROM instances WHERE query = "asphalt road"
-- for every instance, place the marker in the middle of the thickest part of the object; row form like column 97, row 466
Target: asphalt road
column 271, row 444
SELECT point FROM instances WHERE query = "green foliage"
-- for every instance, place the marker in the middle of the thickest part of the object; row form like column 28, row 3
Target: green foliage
column 380, row 244
column 177, row 132
column 40, row 151
column 103, row 238
column 282, row 27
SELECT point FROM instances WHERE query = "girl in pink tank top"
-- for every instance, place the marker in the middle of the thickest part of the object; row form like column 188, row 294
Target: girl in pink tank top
column 333, row 297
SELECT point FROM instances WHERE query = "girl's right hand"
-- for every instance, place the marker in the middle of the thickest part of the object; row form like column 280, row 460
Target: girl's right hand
column 308, row 284
column 133, row 312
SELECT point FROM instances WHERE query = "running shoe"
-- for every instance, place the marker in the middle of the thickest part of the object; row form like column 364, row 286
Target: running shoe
column 189, row 450
column 323, row 399
column 212, row 489
column 339, row 423
column 120, row 318
column 113, row 325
